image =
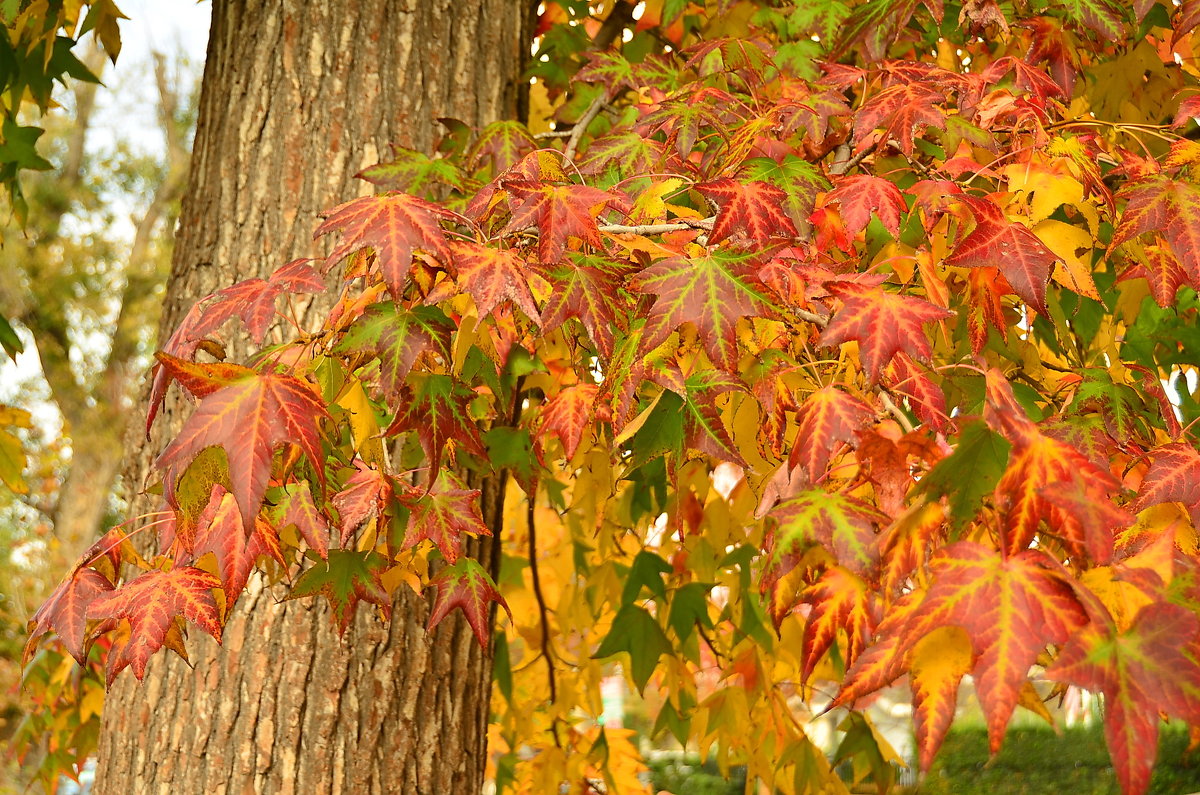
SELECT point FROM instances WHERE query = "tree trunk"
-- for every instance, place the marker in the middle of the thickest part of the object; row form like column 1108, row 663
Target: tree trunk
column 297, row 98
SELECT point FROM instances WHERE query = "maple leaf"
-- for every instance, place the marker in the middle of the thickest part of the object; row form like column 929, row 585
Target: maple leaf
column 468, row 587
column 799, row 179
column 882, row 323
column 1014, row 250
column 1105, row 17
column 840, row 600
column 1149, row 667
column 566, row 417
column 437, row 408
column 443, row 514
column 65, row 611
column 367, row 494
column 826, row 418
column 861, row 196
column 249, row 419
column 491, row 276
column 560, row 212
column 414, row 172
column 591, row 289
column 1162, row 272
column 1025, row 77
column 503, row 143
column 1039, row 462
column 846, row 527
column 901, row 110
column 703, row 429
column 397, row 336
column 711, row 291
column 753, row 209
column 297, row 508
column 937, row 665
column 219, row 531
column 1010, row 606
column 925, row 398
column 622, row 155
column 1174, row 476
column 202, row 379
column 253, row 300
column 345, row 579
column 395, row 225
column 1170, row 207
column 152, row 603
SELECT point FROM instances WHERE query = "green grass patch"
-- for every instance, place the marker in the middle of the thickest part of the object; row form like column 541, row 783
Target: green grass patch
column 1038, row 761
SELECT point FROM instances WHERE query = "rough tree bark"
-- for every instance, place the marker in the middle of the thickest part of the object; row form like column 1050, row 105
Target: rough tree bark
column 298, row 97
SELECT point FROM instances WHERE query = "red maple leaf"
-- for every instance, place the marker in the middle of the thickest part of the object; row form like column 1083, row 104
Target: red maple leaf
column 437, row 408
column 153, row 603
column 367, row 494
column 443, row 515
column 753, row 209
column 253, row 300
column 566, row 417
column 901, row 110
column 1148, row 668
column 1170, row 207
column 219, row 531
column 1011, row 607
column 559, row 212
column 492, row 276
column 395, row 225
column 249, row 419
column 882, row 323
column 1174, row 476
column 842, row 601
column 296, row 507
column 999, row 243
column 826, row 419
column 468, row 587
column 1025, row 77
column 861, row 196
column 65, row 611
column 1162, row 272
column 711, row 292
column 591, row 289
column 925, row 398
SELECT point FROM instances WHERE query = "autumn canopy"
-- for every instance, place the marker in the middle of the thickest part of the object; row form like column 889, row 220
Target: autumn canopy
column 811, row 348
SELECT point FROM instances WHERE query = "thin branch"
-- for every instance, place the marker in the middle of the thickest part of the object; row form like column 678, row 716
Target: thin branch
column 581, row 126
column 547, row 650
column 894, row 410
column 845, row 162
column 681, row 225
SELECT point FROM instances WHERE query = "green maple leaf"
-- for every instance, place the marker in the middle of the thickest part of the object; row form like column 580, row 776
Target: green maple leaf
column 346, row 578
column 397, row 336
column 437, row 409
column 711, row 292
column 637, row 632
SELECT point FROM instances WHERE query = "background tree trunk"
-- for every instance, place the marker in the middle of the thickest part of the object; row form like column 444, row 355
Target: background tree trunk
column 297, row 98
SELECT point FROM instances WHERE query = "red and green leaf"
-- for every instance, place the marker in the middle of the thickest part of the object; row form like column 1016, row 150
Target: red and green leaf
column 466, row 586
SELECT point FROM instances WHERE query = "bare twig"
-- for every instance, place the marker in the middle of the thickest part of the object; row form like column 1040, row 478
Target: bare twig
column 679, row 225
column 581, row 126
column 844, row 162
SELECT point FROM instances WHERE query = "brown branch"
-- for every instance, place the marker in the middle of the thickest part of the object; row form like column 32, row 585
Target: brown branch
column 581, row 126
column 543, row 612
